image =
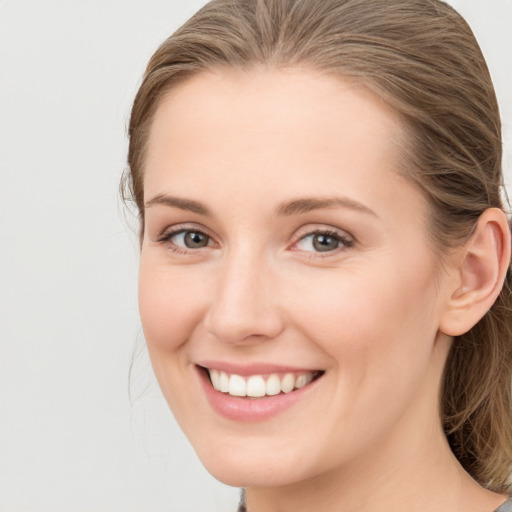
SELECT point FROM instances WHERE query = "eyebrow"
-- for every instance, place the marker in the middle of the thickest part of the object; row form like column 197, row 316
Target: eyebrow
column 288, row 208
column 307, row 204
column 177, row 202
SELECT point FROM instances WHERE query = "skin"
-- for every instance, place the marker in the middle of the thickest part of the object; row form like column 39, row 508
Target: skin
column 370, row 313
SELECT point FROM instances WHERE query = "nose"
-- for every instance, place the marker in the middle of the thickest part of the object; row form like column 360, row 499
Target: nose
column 244, row 308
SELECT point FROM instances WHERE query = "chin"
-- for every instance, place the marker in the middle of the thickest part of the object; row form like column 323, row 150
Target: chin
column 251, row 475
column 237, row 468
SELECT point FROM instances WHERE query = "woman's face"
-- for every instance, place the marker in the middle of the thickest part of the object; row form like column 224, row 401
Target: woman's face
column 285, row 256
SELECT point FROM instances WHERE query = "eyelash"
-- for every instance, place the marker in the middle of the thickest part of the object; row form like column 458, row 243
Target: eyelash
column 166, row 238
column 345, row 242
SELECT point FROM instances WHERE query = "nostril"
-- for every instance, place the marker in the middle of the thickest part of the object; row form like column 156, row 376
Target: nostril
column 236, row 326
column 243, row 308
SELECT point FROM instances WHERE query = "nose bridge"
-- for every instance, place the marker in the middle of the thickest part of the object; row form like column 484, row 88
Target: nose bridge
column 244, row 306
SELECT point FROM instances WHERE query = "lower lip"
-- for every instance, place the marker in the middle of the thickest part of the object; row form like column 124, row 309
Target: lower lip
column 251, row 409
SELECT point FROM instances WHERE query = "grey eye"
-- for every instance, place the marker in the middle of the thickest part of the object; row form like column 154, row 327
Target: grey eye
column 191, row 239
column 323, row 243
column 195, row 240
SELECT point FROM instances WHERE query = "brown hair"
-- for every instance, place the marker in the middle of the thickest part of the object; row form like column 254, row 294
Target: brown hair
column 422, row 59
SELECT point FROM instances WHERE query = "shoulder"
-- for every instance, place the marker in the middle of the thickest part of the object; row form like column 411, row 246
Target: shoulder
column 506, row 507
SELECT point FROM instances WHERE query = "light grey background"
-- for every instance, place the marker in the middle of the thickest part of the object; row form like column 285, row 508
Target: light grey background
column 69, row 439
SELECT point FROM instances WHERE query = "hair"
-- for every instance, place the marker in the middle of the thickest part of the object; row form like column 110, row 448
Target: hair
column 421, row 58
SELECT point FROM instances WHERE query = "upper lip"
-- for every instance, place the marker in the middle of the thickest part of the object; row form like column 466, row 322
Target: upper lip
column 253, row 368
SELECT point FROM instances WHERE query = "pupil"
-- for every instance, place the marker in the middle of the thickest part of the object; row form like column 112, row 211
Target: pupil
column 193, row 240
column 324, row 243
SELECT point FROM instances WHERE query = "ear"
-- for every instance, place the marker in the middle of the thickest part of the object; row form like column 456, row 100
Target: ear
column 480, row 271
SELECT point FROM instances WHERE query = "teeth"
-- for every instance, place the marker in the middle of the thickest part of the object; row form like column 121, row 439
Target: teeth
column 288, row 383
column 237, row 386
column 256, row 385
column 224, row 382
column 215, row 378
column 301, row 381
column 273, row 385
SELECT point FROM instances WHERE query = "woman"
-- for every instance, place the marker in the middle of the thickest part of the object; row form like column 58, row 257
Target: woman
column 325, row 256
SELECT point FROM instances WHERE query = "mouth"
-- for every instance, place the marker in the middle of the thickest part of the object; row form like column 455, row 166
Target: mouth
column 259, row 385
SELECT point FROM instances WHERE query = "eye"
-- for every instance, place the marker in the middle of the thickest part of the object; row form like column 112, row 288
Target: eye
column 191, row 239
column 186, row 239
column 323, row 241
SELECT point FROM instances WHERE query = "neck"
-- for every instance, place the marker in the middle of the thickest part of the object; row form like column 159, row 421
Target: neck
column 410, row 467
column 417, row 475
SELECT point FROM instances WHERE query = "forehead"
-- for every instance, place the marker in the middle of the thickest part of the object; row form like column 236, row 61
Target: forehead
column 289, row 128
column 285, row 102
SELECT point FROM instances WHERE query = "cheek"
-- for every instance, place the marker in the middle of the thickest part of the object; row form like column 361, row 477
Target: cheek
column 379, row 335
column 371, row 322
column 170, row 304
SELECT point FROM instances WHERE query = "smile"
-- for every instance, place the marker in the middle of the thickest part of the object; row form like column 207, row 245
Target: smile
column 257, row 392
column 258, row 386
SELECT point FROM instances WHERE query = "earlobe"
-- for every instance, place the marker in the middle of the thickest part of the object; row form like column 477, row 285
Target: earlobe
column 482, row 266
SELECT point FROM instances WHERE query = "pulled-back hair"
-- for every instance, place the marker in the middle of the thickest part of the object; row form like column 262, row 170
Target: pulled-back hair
column 421, row 58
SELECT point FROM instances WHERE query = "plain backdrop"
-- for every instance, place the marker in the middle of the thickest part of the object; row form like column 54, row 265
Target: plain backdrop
column 71, row 440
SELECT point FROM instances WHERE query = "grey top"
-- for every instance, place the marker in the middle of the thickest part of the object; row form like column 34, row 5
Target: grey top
column 506, row 507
